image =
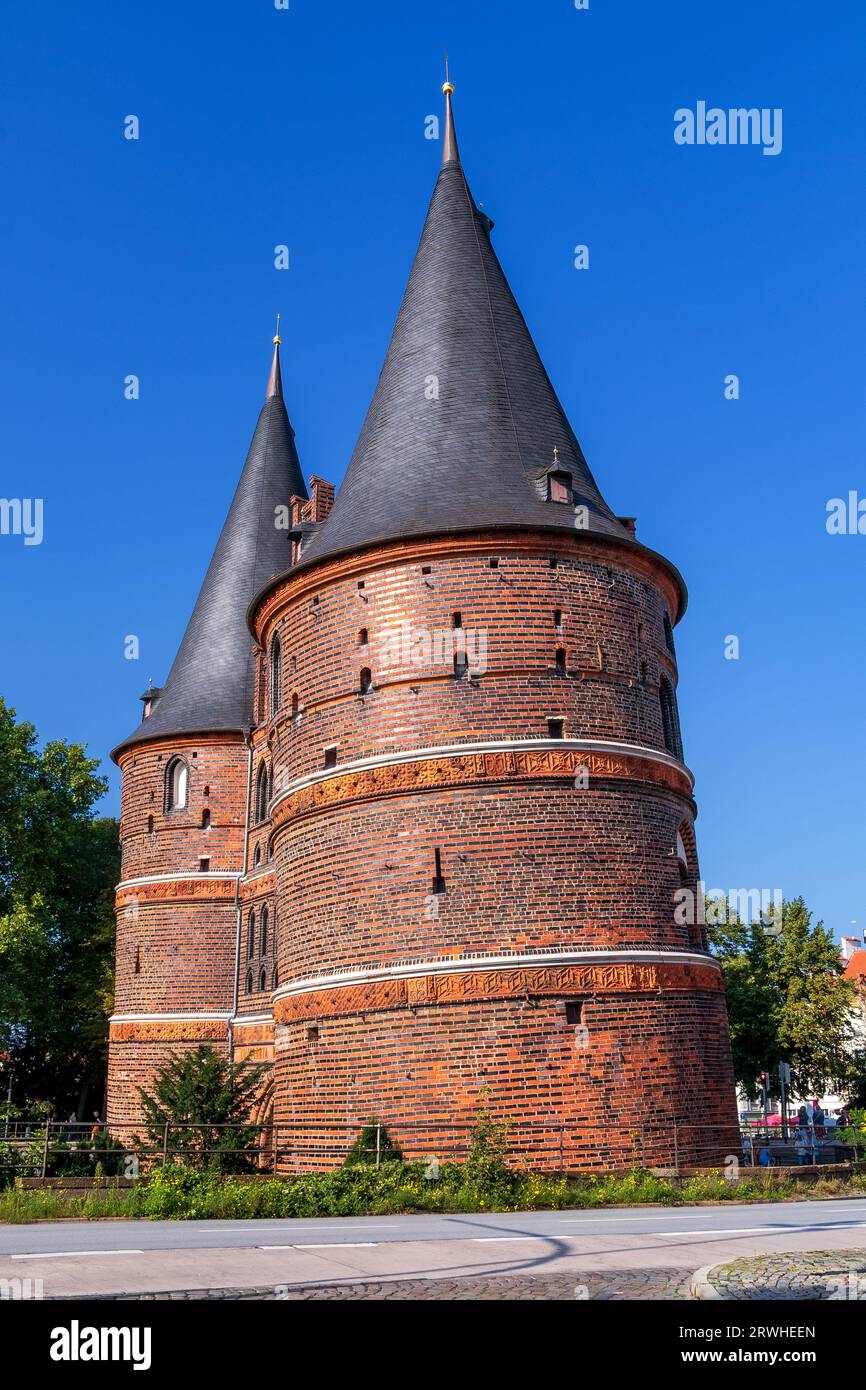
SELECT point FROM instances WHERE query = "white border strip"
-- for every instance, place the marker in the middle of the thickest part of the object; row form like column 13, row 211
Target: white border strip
column 170, row 1018
column 461, row 965
column 462, row 750
column 168, row 878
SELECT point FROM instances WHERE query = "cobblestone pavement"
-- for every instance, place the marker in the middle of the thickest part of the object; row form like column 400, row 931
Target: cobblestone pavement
column 813, row 1274
column 612, row 1285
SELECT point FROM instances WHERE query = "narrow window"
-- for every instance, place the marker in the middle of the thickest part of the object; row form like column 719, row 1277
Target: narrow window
column 204, row 866
column 669, row 635
column 363, row 637
column 557, row 618
column 574, row 1011
column 249, row 982
column 670, row 719
column 263, row 933
column 366, row 680
column 643, row 673
column 257, row 857
column 251, row 935
column 207, row 791
column 276, row 672
column 137, row 966
column 460, row 664
column 494, row 564
column 263, row 980
column 555, row 728
column 176, row 785
column 294, row 706
column 330, row 757
column 150, row 825
column 438, row 880
column 260, row 810
column 313, row 1032
column 275, row 978
column 205, row 819
column 457, row 620
column 561, row 669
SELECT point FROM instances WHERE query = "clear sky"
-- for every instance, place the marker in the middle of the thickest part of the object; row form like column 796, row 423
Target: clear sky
column 306, row 127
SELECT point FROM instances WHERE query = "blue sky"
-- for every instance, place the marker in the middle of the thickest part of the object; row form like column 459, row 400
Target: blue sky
column 306, row 127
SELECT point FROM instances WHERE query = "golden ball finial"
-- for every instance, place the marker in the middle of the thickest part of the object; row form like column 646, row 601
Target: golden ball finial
column 448, row 88
column 277, row 339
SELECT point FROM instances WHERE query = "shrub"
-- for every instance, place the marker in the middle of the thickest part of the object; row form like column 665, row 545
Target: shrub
column 373, row 1141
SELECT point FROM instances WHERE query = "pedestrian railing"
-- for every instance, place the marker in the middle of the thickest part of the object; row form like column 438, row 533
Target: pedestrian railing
column 41, row 1148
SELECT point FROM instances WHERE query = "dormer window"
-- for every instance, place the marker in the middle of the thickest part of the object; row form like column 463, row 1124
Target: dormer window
column 176, row 785
column 558, row 486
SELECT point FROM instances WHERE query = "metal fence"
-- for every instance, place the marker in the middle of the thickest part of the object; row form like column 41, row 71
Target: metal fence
column 43, row 1149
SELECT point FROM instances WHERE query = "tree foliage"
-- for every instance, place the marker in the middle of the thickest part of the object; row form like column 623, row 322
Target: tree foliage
column 200, row 1106
column 58, row 867
column 787, row 999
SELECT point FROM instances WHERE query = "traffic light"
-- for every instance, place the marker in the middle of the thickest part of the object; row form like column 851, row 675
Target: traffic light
column 764, row 1085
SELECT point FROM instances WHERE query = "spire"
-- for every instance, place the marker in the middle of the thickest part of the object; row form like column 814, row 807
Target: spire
column 275, row 381
column 463, row 423
column 450, row 151
column 210, row 685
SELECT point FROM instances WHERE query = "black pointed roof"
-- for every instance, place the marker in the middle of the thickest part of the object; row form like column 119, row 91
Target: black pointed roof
column 210, row 685
column 464, row 421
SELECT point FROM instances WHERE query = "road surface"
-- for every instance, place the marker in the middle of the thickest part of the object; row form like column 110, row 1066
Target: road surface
column 78, row 1258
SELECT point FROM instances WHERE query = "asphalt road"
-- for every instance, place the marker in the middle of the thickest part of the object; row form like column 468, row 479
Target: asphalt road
column 79, row 1258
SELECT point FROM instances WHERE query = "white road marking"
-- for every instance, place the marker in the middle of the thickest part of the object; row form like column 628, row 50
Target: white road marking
column 72, row 1254
column 259, row 1230
column 512, row 1240
column 323, row 1245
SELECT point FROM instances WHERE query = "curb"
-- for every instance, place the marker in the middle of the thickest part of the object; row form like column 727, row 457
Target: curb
column 700, row 1286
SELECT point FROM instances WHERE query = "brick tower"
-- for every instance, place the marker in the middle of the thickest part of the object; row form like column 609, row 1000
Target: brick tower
column 480, row 813
column 459, row 763
column 186, row 787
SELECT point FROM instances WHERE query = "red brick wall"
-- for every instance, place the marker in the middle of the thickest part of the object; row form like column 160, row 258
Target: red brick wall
column 530, row 860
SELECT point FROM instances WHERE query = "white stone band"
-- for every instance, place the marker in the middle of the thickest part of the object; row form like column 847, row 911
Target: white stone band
column 461, row 965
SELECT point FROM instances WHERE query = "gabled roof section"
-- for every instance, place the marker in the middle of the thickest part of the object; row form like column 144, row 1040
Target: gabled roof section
column 210, row 685
column 464, row 419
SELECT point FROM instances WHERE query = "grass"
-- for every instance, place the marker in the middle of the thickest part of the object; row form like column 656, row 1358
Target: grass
column 181, row 1193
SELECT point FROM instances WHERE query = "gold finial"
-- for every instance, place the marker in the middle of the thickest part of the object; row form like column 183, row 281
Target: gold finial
column 555, row 453
column 277, row 338
column 447, row 85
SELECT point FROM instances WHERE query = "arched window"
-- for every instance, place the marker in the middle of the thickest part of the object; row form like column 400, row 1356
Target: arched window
column 257, row 857
column 670, row 719
column 263, row 980
column 249, row 982
column 176, row 785
column 366, row 680
column 276, row 673
column 561, row 668
column 263, row 933
column 251, row 934
column 260, row 810
column 669, row 635
column 295, row 706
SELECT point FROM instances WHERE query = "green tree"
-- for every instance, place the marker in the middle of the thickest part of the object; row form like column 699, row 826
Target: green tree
column 200, row 1106
column 787, row 998
column 58, row 868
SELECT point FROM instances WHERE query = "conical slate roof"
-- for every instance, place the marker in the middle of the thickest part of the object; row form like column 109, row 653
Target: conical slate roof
column 210, row 685
column 464, row 420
